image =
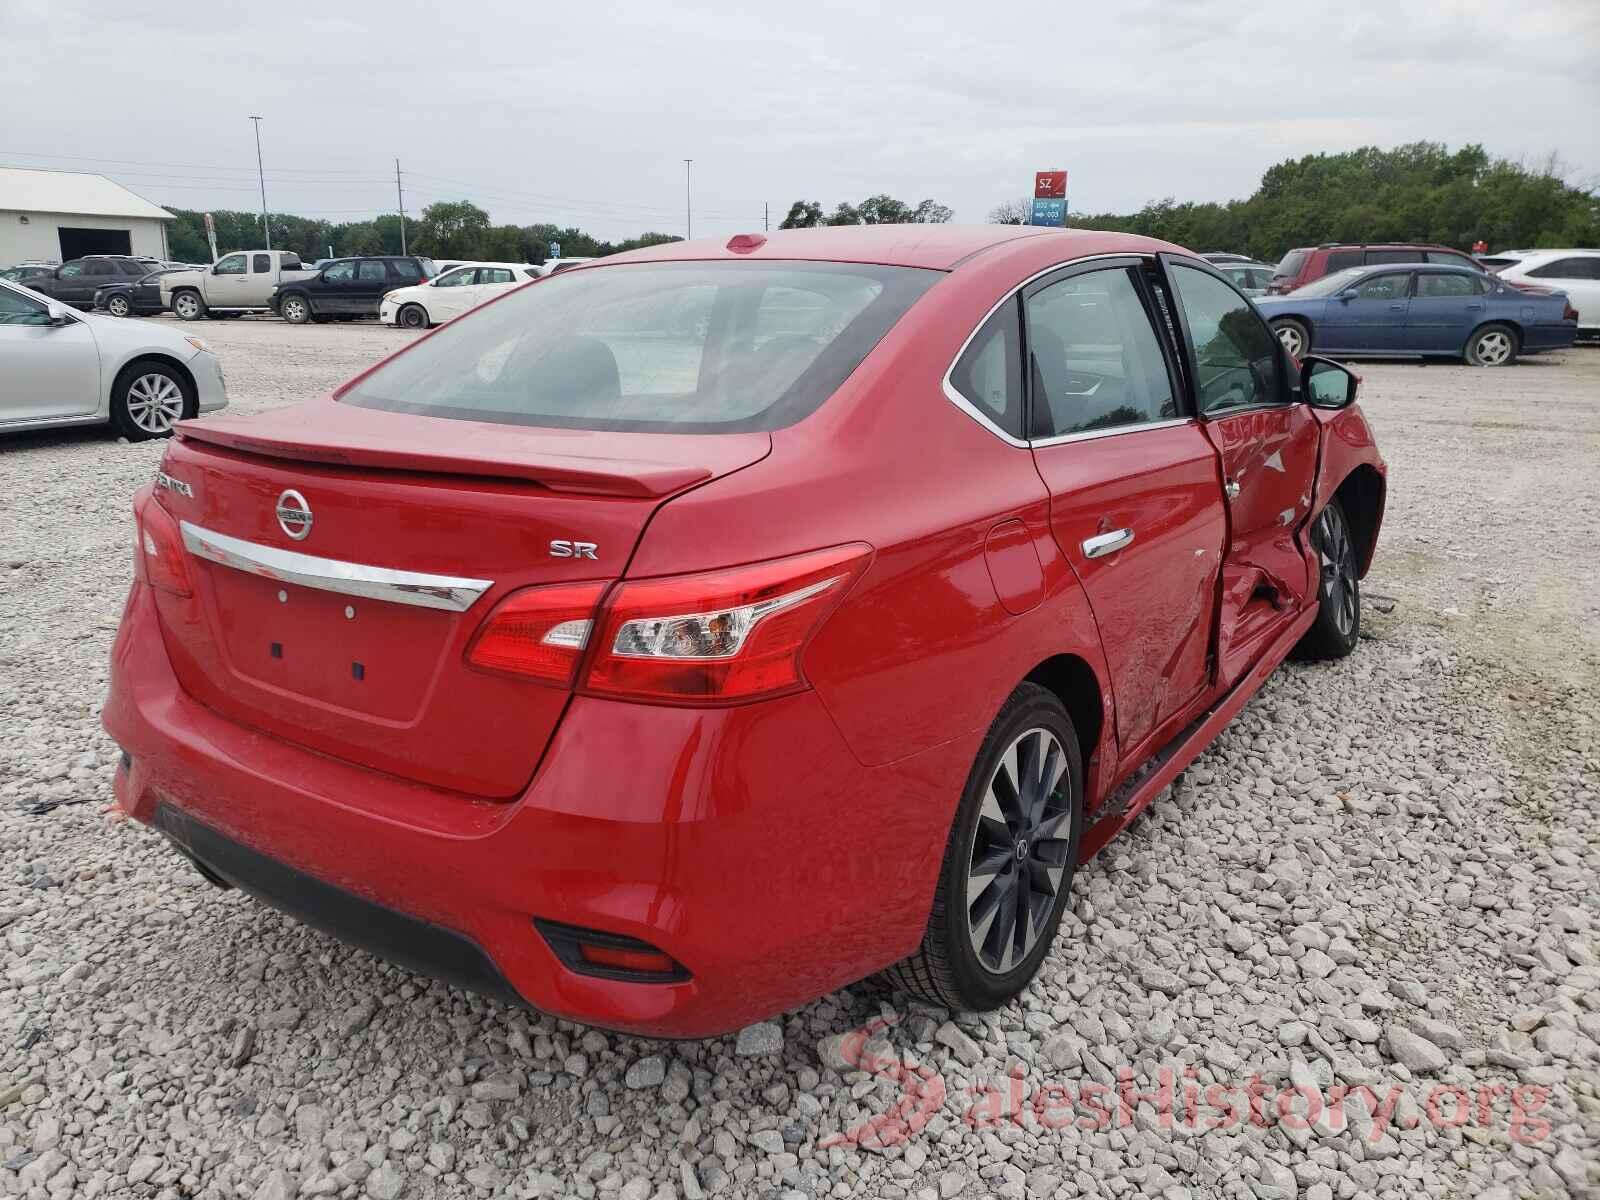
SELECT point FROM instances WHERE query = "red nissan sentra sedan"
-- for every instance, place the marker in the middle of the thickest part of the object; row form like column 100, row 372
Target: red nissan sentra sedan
column 679, row 638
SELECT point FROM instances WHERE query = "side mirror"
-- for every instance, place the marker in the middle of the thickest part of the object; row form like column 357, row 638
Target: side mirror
column 59, row 315
column 1327, row 384
column 1348, row 294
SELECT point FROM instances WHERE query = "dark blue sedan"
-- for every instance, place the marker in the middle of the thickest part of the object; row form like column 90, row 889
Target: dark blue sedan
column 1420, row 310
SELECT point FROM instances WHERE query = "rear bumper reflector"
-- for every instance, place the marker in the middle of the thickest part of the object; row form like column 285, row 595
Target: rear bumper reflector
column 610, row 955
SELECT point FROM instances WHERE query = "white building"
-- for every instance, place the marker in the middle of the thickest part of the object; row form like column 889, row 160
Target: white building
column 53, row 216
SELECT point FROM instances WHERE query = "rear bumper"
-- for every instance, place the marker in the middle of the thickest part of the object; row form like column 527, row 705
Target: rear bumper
column 747, row 843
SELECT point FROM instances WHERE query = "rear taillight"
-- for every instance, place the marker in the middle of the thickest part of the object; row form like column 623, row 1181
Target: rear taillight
column 719, row 637
column 1569, row 313
column 539, row 633
column 158, row 548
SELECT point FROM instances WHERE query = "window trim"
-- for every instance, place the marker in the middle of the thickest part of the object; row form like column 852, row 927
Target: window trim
column 1070, row 267
column 1288, row 395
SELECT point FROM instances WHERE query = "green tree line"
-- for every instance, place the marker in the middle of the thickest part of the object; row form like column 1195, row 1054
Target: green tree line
column 449, row 229
column 874, row 210
column 1415, row 193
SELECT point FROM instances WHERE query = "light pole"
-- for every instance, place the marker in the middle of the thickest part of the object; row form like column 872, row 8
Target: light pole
column 688, row 202
column 261, row 174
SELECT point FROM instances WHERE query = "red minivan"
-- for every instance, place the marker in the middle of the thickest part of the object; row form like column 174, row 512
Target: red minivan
column 697, row 631
column 1307, row 263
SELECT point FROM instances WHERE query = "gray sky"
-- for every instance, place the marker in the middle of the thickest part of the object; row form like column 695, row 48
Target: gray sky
column 582, row 113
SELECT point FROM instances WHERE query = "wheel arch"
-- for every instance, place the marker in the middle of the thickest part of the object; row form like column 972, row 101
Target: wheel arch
column 163, row 358
column 1073, row 681
column 1510, row 323
column 1361, row 494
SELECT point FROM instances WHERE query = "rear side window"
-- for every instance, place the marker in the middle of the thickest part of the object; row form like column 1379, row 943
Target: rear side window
column 691, row 347
column 1568, row 268
column 133, row 267
column 1435, row 286
column 1451, row 258
column 371, row 270
column 1377, row 258
column 494, row 275
column 989, row 373
column 1338, row 260
column 1235, row 355
column 260, row 264
column 1291, row 263
column 1094, row 361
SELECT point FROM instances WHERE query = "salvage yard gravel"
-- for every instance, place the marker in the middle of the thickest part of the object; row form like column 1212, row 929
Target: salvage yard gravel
column 1353, row 952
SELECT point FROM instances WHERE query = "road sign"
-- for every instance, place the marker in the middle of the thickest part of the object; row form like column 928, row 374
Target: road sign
column 555, row 249
column 1050, row 185
column 1049, row 212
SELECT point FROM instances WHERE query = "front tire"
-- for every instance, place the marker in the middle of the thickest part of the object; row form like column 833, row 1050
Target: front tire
column 1492, row 346
column 148, row 398
column 295, row 309
column 1294, row 335
column 1338, row 625
column 187, row 306
column 118, row 306
column 412, row 316
column 1008, row 863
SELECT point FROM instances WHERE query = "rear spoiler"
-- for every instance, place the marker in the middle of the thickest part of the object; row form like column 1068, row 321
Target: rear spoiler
column 498, row 456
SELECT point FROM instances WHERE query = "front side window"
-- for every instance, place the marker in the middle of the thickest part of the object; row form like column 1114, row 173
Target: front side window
column 17, row 309
column 1236, row 360
column 70, row 271
column 1431, row 285
column 460, row 277
column 1094, row 360
column 233, row 264
column 340, row 272
column 989, row 372
column 686, row 347
column 1392, row 286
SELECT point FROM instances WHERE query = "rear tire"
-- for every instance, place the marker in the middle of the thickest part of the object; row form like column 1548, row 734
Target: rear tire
column 295, row 309
column 147, row 398
column 187, row 306
column 412, row 316
column 1492, row 346
column 1338, row 625
column 1294, row 335
column 1008, row 863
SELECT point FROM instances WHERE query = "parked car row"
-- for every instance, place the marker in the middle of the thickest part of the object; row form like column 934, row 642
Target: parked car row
column 1422, row 310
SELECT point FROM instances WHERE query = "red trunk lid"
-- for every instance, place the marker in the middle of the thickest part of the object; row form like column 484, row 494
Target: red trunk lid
column 376, row 681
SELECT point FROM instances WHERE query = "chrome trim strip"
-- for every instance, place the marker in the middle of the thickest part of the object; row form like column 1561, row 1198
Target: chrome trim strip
column 966, row 405
column 331, row 575
column 1089, row 435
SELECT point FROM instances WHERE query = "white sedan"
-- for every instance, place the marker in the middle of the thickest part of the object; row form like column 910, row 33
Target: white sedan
column 60, row 367
column 451, row 293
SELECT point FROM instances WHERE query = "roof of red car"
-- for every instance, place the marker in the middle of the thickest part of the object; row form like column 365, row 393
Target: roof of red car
column 939, row 247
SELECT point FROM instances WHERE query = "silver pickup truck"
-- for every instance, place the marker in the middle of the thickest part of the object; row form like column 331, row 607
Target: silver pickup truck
column 239, row 282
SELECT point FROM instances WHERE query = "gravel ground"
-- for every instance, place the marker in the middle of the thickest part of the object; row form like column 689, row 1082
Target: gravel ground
column 1382, row 876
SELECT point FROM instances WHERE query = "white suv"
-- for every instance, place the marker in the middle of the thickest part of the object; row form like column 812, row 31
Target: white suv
column 1575, row 272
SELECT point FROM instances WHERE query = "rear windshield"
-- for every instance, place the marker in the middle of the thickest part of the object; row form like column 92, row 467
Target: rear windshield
column 675, row 347
column 1291, row 263
column 1330, row 284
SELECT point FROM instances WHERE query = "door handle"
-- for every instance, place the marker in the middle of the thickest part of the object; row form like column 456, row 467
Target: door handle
column 1232, row 488
column 1397, row 307
column 1102, row 544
